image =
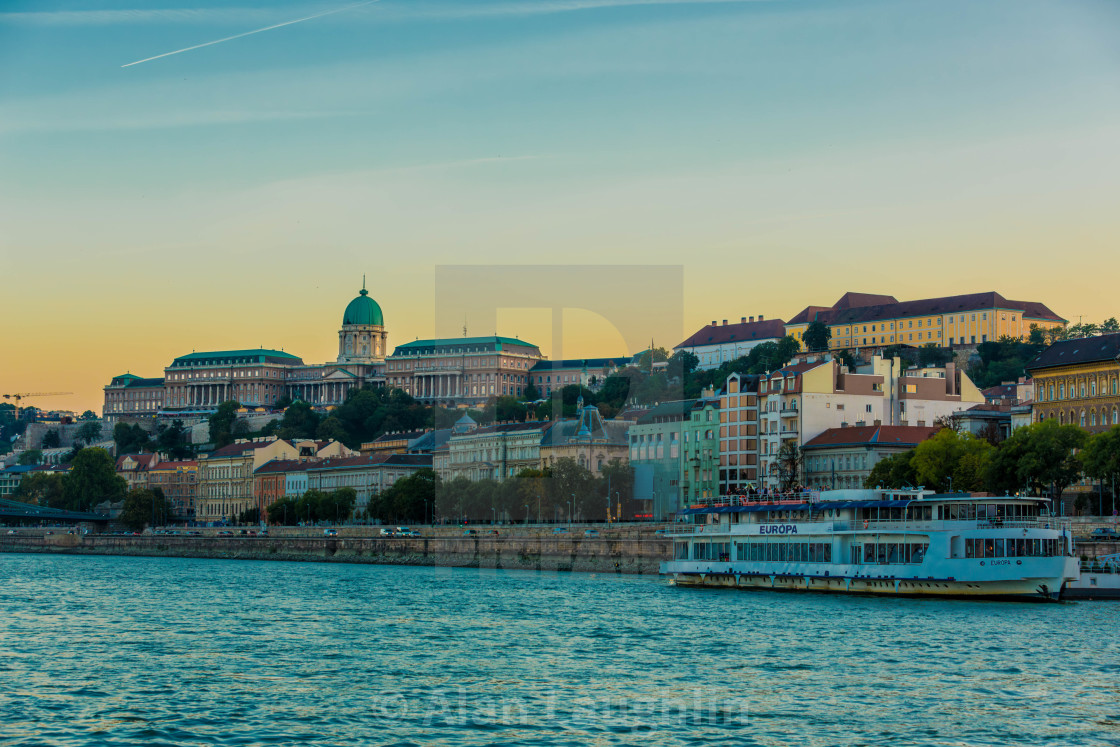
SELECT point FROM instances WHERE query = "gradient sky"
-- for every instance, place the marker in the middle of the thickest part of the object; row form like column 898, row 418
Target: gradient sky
column 781, row 151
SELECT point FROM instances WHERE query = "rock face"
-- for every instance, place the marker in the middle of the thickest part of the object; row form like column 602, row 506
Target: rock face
column 564, row 553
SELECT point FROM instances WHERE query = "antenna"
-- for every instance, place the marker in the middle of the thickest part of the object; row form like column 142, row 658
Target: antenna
column 363, row 281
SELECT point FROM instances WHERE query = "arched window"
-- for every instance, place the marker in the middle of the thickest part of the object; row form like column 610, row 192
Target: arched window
column 1061, row 418
column 1104, row 416
column 1114, row 385
column 1093, row 418
column 1082, row 420
column 1082, row 389
column 1051, row 397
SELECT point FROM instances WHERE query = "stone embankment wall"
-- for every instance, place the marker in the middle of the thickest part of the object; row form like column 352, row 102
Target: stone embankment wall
column 548, row 553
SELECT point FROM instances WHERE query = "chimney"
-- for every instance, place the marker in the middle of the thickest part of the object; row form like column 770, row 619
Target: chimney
column 743, row 320
column 714, row 323
column 725, row 322
column 760, row 317
column 752, row 320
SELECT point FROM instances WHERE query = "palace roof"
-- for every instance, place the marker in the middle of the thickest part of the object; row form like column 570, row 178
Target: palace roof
column 1099, row 349
column 712, row 334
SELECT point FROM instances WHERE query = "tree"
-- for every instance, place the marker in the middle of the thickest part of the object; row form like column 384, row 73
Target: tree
column 646, row 359
column 531, row 393
column 221, row 423
column 410, row 498
column 789, row 465
column 1109, row 326
column 932, row 356
column 682, row 363
column 1100, row 460
column 31, row 456
column 952, row 461
column 249, row 516
column 332, row 429
column 894, row 471
column 92, row 480
column 299, row 421
column 507, row 408
column 846, row 358
column 1039, row 456
column 51, row 439
column 131, row 439
column 817, row 336
column 88, row 432
column 175, row 441
column 337, row 505
column 281, row 511
column 41, row 489
column 145, row 507
column 88, row 415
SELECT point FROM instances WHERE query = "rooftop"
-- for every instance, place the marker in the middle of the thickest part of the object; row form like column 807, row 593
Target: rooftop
column 869, row 435
column 712, row 334
column 1102, row 348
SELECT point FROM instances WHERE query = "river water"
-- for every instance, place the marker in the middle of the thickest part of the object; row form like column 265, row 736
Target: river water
column 160, row 651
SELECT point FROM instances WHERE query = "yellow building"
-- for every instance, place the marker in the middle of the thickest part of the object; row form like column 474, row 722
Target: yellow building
column 225, row 475
column 864, row 320
column 1077, row 382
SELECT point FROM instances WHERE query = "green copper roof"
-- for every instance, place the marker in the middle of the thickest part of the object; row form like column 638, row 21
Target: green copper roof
column 497, row 342
column 254, row 356
column 363, row 310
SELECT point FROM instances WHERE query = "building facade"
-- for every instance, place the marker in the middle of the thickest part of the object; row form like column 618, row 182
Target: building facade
column 715, row 344
column 863, row 320
column 549, row 376
column 804, row 399
column 196, row 383
column 738, row 434
column 179, row 482
column 226, row 486
column 134, row 469
column 1077, row 382
column 655, row 455
column 495, row 452
column 700, row 457
column 842, row 458
column 468, row 370
column 131, row 397
column 589, row 441
column 369, row 476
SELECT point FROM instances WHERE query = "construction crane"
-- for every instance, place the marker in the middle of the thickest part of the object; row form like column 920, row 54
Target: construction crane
column 21, row 395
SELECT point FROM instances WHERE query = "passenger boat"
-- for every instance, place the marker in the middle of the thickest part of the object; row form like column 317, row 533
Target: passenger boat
column 894, row 542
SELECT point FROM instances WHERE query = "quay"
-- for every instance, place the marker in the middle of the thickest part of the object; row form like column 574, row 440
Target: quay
column 629, row 549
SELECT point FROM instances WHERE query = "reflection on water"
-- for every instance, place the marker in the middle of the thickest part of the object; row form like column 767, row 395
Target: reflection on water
column 172, row 651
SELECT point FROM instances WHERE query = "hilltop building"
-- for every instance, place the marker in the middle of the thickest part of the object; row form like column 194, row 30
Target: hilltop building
column 715, row 344
column 1077, row 382
column 462, row 371
column 865, row 320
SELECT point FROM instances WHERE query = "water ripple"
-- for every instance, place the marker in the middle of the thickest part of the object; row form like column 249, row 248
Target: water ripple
column 129, row 651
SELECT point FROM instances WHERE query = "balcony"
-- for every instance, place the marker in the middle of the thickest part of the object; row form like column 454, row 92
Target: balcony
column 789, row 412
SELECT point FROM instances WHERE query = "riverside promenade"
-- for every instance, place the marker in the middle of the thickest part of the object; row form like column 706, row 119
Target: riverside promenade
column 627, row 549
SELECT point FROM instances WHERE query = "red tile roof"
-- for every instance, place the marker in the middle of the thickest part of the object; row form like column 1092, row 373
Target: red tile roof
column 867, row 435
column 769, row 329
column 241, row 448
column 892, row 309
column 282, row 465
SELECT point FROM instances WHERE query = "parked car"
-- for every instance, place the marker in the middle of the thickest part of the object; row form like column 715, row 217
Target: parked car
column 406, row 532
column 386, row 532
column 1104, row 534
column 330, row 532
column 659, row 533
column 590, row 532
column 560, row 530
column 493, row 533
column 11, row 531
column 470, row 532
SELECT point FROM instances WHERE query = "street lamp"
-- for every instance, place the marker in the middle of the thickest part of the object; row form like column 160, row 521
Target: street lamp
column 570, row 510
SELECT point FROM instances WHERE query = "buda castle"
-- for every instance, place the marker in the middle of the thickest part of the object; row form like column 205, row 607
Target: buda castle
column 453, row 371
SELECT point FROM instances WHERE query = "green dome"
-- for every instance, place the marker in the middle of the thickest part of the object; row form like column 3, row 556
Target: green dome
column 363, row 310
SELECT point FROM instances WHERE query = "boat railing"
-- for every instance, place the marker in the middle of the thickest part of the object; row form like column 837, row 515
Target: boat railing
column 941, row 524
column 774, row 498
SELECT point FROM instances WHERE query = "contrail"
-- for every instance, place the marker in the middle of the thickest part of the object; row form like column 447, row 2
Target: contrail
column 250, row 33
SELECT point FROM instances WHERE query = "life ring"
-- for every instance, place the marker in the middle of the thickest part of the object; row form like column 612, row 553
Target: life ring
column 865, row 523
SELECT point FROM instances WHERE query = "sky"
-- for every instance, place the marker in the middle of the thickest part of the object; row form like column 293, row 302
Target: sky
column 774, row 153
